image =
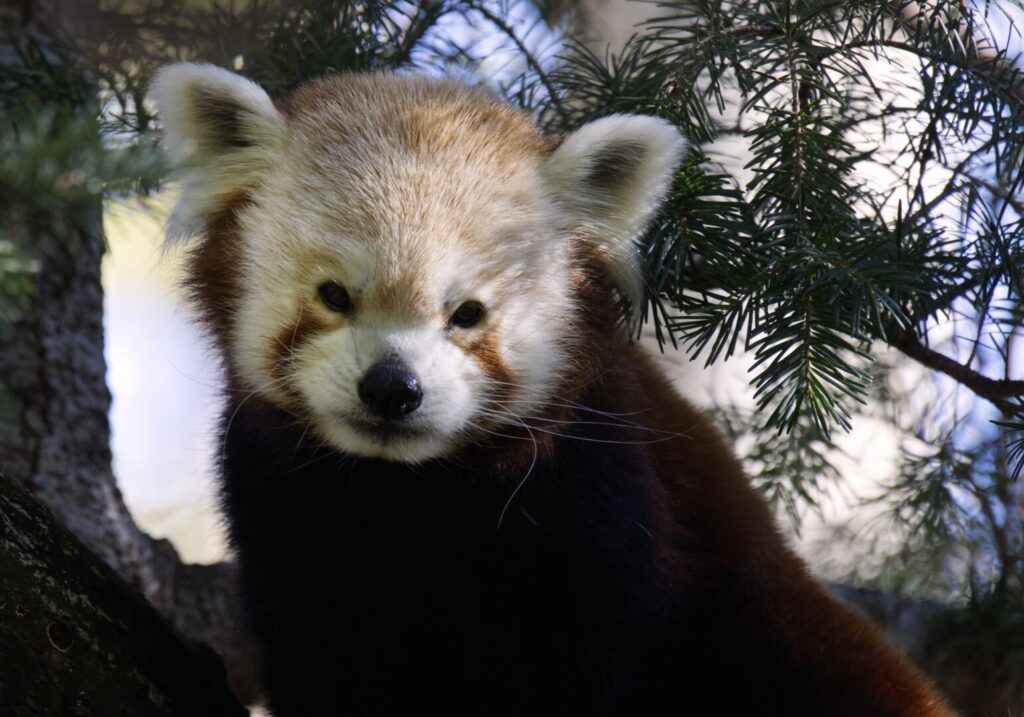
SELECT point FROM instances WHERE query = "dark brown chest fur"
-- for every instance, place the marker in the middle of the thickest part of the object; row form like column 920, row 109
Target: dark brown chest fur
column 608, row 588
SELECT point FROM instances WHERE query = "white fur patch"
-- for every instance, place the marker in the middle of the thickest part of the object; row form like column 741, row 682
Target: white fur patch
column 329, row 372
column 221, row 132
column 615, row 206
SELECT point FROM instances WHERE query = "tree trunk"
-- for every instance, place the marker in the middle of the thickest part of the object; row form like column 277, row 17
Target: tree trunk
column 76, row 640
column 57, row 445
column 55, row 433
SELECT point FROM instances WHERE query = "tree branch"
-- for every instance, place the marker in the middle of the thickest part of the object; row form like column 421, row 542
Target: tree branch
column 998, row 391
column 499, row 23
column 977, row 54
column 76, row 639
column 426, row 17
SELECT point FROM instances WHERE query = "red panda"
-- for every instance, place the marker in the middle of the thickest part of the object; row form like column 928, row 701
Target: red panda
column 452, row 486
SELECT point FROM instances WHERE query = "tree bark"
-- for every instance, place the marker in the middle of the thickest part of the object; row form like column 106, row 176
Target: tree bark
column 57, row 446
column 55, row 433
column 76, row 640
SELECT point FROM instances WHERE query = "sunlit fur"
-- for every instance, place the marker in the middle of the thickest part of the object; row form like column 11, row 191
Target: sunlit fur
column 416, row 195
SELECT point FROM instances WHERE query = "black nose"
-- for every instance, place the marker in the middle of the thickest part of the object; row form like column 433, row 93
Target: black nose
column 390, row 390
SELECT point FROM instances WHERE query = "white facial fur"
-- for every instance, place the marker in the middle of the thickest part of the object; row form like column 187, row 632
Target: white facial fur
column 524, row 293
column 400, row 190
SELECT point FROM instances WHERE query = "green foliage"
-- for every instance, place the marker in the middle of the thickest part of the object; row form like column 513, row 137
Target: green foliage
column 817, row 263
column 793, row 470
column 857, row 184
column 54, row 162
column 326, row 37
column 808, row 260
column 987, row 634
column 1015, row 443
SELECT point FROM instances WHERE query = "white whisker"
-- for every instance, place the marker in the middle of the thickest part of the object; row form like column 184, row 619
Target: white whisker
column 522, row 482
column 574, row 422
column 531, row 427
column 234, row 414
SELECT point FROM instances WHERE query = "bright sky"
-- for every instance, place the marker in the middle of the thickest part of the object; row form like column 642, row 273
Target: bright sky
column 164, row 384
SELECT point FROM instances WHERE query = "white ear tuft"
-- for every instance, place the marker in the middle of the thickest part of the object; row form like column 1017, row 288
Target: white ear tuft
column 611, row 176
column 222, row 133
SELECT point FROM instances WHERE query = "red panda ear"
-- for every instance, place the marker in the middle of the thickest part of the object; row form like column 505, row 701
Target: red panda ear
column 610, row 177
column 222, row 133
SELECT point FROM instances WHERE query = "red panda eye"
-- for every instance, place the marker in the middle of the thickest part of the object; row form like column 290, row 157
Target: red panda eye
column 468, row 314
column 335, row 297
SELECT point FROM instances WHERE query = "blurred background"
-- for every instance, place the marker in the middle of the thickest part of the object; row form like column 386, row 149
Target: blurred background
column 837, row 276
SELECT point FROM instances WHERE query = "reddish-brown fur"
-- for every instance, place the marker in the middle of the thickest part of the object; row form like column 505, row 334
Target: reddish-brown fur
column 715, row 498
column 706, row 493
column 211, row 273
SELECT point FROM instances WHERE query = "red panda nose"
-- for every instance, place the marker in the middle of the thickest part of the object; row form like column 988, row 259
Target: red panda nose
column 390, row 390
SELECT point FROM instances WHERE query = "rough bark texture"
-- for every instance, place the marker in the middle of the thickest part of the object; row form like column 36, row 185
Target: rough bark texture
column 53, row 368
column 76, row 640
column 56, row 444
column 54, row 429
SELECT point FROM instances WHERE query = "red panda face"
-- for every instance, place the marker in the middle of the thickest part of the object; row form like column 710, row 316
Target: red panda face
column 398, row 267
column 409, row 305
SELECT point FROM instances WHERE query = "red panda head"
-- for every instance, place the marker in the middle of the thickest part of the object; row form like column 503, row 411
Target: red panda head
column 395, row 259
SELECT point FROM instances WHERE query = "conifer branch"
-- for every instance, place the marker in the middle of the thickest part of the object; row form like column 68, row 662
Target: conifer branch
column 427, row 15
column 997, row 391
column 975, row 52
column 553, row 96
